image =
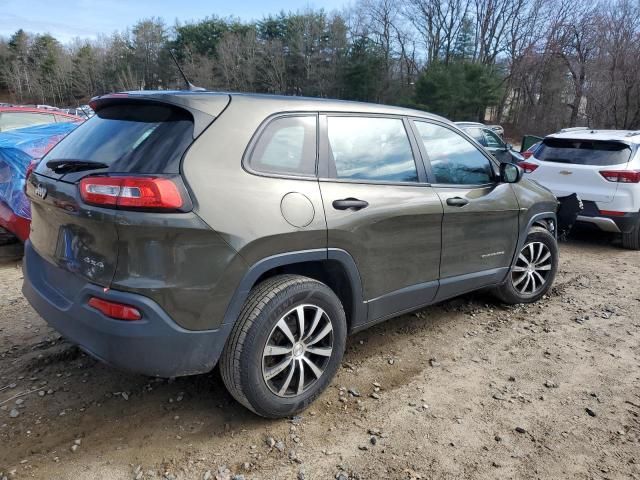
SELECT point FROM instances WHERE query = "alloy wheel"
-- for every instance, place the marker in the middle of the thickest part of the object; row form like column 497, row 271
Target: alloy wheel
column 297, row 351
column 532, row 269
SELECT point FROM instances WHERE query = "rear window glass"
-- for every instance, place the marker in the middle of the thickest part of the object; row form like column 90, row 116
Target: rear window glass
column 130, row 138
column 583, row 152
column 287, row 146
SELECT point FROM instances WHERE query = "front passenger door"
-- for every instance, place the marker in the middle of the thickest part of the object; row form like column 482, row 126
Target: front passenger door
column 480, row 223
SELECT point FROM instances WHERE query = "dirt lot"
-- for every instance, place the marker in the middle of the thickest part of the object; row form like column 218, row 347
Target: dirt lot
column 466, row 389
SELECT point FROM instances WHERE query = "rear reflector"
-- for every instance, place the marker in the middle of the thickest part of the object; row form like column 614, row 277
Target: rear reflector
column 119, row 311
column 621, row 176
column 154, row 193
column 612, row 213
column 528, row 167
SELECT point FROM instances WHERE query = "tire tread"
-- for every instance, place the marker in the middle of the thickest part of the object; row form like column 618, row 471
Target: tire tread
column 259, row 297
column 505, row 293
column 631, row 240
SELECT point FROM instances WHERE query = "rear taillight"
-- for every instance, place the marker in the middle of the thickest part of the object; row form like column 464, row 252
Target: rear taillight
column 154, row 193
column 119, row 311
column 526, row 154
column 612, row 213
column 528, row 167
column 621, row 176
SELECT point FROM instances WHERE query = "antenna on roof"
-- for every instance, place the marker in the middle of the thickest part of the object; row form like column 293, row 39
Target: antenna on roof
column 190, row 86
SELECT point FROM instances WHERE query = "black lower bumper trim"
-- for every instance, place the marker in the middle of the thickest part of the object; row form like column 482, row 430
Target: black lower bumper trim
column 154, row 345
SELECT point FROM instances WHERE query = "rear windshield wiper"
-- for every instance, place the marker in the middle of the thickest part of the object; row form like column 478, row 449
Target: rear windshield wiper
column 67, row 166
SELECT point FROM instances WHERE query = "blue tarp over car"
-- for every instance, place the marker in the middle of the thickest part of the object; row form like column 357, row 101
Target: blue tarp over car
column 18, row 148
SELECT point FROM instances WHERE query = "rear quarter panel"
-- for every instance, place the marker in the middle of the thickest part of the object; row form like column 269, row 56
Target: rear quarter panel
column 178, row 261
column 245, row 208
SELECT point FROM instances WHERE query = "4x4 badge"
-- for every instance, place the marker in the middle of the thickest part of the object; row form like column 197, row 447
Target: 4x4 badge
column 41, row 191
column 565, row 172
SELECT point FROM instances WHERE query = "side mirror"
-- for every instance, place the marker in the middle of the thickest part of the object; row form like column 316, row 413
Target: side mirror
column 509, row 146
column 510, row 173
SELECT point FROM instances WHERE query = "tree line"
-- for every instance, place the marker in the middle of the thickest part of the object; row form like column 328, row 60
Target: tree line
column 536, row 65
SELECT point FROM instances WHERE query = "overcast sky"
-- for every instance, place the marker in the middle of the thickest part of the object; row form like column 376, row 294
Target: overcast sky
column 67, row 19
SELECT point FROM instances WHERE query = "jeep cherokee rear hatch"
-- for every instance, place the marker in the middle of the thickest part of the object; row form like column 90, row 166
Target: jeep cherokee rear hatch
column 124, row 159
column 573, row 165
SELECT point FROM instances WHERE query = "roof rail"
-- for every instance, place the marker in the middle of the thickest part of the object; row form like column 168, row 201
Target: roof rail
column 574, row 129
column 632, row 134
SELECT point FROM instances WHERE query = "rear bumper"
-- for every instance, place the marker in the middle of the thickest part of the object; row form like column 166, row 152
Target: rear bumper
column 13, row 223
column 154, row 345
column 608, row 223
column 605, row 224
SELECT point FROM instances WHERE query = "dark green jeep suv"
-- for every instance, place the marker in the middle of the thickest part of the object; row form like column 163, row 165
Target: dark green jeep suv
column 174, row 231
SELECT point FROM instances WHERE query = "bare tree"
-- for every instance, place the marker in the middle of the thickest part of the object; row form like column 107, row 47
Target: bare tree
column 273, row 68
column 237, row 60
column 574, row 40
column 493, row 18
column 614, row 72
column 438, row 23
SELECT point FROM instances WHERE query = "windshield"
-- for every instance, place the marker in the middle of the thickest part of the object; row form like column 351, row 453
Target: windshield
column 583, row 152
column 129, row 138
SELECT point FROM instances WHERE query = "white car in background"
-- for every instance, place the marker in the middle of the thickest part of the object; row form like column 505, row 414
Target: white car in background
column 603, row 168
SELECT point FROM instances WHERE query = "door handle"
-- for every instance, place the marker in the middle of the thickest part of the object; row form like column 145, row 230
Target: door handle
column 350, row 203
column 457, row 202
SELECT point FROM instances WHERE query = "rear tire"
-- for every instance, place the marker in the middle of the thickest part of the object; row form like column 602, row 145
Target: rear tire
column 534, row 271
column 276, row 364
column 631, row 240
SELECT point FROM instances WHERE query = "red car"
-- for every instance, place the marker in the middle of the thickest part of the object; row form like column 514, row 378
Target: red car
column 13, row 117
column 20, row 149
column 18, row 226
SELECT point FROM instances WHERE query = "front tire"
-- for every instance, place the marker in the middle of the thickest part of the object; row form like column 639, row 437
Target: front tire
column 285, row 347
column 534, row 270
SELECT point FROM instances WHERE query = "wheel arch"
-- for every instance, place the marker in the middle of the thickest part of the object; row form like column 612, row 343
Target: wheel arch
column 548, row 223
column 333, row 267
column 546, row 220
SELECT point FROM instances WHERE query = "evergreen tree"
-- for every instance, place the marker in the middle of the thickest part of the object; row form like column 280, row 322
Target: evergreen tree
column 459, row 91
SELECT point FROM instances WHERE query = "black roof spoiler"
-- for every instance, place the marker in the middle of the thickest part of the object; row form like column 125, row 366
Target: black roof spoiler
column 204, row 107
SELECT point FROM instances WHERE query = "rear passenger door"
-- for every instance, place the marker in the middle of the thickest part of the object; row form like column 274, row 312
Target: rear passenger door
column 480, row 224
column 380, row 209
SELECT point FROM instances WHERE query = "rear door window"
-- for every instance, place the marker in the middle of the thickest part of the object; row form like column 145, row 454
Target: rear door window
column 370, row 148
column 583, row 152
column 129, row 138
column 287, row 146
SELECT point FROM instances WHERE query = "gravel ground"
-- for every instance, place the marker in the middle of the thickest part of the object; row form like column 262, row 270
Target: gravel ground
column 465, row 389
